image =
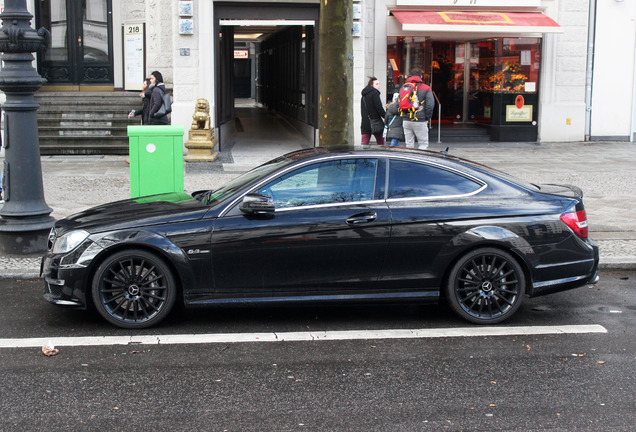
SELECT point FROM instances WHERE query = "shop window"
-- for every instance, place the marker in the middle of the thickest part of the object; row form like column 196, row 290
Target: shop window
column 465, row 76
column 509, row 65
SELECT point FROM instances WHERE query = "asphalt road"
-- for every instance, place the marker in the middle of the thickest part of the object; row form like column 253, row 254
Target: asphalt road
column 509, row 382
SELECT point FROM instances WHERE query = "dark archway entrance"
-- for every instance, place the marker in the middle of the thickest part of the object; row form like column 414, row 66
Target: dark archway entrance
column 283, row 61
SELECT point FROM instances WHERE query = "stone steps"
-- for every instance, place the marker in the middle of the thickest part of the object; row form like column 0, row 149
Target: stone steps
column 467, row 133
column 81, row 123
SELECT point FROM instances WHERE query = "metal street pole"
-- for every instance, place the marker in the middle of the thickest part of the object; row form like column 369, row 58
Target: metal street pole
column 24, row 218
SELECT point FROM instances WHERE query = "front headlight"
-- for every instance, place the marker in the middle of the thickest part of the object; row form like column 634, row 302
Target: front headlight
column 69, row 241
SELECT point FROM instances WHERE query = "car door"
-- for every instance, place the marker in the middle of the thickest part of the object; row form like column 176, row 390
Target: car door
column 429, row 204
column 328, row 235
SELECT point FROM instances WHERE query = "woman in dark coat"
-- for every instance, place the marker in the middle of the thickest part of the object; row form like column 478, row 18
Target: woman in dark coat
column 371, row 107
column 156, row 99
column 146, row 93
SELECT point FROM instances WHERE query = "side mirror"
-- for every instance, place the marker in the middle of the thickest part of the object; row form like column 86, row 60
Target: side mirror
column 255, row 204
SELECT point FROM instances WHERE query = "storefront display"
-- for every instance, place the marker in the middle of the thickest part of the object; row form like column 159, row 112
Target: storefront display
column 475, row 82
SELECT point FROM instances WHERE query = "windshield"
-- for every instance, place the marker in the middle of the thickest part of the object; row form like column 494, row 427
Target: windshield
column 214, row 197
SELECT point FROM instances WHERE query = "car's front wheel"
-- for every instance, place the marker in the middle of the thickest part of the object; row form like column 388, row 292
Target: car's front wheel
column 486, row 286
column 133, row 289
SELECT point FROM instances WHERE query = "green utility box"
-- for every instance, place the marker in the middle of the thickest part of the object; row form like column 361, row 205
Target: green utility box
column 156, row 159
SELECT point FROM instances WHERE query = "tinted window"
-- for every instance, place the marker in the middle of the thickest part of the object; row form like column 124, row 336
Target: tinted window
column 409, row 179
column 328, row 182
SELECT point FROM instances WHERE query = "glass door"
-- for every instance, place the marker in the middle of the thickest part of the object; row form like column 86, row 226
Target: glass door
column 81, row 41
column 447, row 78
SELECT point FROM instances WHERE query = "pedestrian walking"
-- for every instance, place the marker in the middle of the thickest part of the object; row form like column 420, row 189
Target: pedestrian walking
column 418, row 114
column 372, row 113
column 156, row 100
column 146, row 94
column 393, row 121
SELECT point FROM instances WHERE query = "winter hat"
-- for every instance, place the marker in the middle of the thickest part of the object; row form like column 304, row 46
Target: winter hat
column 157, row 76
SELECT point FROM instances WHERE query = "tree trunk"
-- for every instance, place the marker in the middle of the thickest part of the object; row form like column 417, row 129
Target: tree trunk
column 336, row 74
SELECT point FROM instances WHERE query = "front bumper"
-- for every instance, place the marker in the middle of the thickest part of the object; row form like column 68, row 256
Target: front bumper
column 64, row 284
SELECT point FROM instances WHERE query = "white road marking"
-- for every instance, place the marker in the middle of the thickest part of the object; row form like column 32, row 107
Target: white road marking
column 298, row 336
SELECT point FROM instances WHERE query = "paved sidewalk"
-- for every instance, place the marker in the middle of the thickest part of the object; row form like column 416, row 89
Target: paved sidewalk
column 605, row 171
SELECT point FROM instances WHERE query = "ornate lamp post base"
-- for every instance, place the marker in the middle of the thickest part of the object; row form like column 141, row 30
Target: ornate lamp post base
column 24, row 217
column 25, row 239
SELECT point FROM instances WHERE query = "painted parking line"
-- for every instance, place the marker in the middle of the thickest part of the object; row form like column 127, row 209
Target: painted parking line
column 298, row 336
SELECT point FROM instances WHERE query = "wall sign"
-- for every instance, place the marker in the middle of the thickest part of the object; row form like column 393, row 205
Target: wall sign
column 241, row 54
column 134, row 56
column 186, row 26
column 523, row 114
column 186, row 8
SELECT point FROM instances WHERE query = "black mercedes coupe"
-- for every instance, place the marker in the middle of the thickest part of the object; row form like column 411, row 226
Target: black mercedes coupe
column 384, row 224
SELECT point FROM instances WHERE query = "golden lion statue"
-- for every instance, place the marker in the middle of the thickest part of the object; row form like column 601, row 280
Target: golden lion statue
column 201, row 116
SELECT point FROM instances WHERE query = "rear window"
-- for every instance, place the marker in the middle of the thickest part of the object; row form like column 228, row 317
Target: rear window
column 501, row 175
column 408, row 179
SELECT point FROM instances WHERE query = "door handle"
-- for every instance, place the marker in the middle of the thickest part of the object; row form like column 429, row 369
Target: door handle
column 362, row 218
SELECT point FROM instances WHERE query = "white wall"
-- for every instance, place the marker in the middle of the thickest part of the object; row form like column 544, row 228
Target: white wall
column 614, row 63
column 563, row 71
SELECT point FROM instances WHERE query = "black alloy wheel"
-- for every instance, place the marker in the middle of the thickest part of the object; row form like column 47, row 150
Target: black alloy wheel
column 486, row 286
column 134, row 289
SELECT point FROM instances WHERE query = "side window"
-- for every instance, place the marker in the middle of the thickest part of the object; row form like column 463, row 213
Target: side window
column 410, row 179
column 335, row 181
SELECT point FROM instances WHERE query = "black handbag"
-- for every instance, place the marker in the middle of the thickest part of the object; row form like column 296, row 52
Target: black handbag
column 166, row 106
column 377, row 124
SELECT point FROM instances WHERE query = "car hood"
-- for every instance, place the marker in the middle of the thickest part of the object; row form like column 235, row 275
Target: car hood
column 143, row 211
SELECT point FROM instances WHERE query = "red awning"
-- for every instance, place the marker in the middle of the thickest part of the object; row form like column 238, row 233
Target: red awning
column 482, row 22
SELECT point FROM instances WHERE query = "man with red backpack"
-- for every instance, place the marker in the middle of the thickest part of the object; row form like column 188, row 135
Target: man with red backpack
column 416, row 109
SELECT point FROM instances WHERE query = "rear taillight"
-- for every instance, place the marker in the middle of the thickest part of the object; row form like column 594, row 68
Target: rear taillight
column 577, row 221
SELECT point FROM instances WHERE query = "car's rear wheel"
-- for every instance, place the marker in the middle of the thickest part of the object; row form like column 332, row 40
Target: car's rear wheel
column 134, row 289
column 486, row 286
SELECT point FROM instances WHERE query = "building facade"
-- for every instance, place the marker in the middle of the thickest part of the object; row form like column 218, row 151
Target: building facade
column 572, row 62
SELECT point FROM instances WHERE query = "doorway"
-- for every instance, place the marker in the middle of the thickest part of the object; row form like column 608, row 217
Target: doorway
column 282, row 57
column 80, row 52
column 454, row 77
column 451, row 68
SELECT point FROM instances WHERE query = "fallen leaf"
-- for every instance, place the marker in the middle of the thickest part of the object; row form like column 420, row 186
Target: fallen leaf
column 50, row 350
column 600, row 362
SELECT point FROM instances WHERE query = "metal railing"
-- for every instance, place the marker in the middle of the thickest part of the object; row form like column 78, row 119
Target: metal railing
column 439, row 118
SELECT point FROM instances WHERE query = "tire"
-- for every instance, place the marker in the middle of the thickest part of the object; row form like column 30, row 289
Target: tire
column 133, row 289
column 486, row 286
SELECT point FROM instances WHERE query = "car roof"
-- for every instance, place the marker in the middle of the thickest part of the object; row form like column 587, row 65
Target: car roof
column 439, row 157
column 379, row 151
